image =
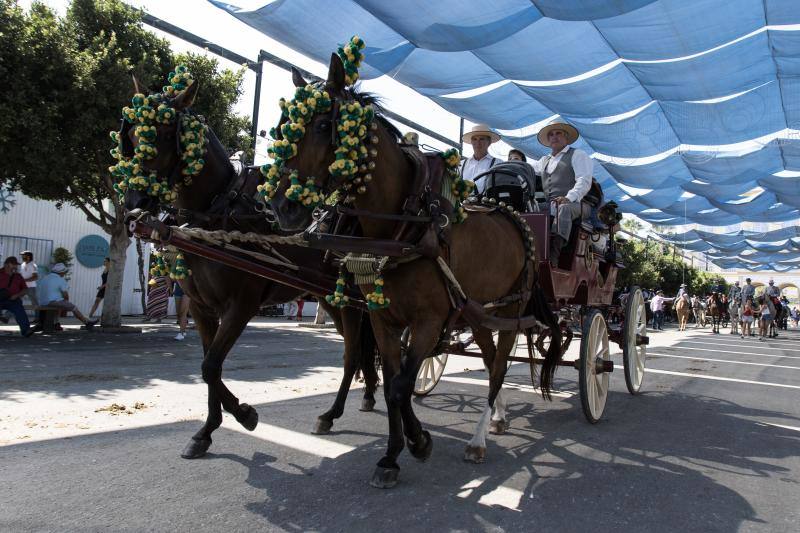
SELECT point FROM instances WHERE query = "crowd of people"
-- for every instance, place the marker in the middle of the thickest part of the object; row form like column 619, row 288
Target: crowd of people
column 749, row 314
column 50, row 292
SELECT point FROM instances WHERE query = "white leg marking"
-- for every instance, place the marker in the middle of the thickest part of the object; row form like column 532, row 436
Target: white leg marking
column 499, row 406
column 479, row 439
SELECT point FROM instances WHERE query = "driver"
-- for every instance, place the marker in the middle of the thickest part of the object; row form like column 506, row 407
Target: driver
column 566, row 177
column 480, row 137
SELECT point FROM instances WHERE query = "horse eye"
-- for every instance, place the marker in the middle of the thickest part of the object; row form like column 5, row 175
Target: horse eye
column 324, row 126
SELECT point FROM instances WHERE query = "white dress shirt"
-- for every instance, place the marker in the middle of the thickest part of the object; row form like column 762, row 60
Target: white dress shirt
column 474, row 167
column 582, row 165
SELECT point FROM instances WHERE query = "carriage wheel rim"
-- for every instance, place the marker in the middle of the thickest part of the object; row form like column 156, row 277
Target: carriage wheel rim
column 636, row 354
column 597, row 384
column 430, row 373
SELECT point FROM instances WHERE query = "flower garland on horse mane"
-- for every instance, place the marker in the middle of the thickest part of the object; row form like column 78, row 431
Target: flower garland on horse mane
column 148, row 112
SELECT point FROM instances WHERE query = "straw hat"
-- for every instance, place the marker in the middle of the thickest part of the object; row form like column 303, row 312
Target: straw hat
column 480, row 129
column 570, row 131
column 59, row 268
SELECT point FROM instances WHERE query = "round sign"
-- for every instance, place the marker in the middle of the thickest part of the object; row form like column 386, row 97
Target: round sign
column 91, row 250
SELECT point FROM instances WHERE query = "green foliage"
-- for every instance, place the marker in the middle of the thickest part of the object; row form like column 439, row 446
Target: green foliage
column 651, row 265
column 62, row 255
column 65, row 82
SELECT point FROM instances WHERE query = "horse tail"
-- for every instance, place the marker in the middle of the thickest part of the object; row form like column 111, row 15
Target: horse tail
column 540, row 308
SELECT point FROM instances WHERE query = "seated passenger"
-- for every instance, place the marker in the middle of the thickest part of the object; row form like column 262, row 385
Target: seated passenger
column 480, row 137
column 566, row 178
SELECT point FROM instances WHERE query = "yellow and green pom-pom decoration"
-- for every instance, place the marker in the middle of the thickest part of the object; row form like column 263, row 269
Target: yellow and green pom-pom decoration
column 376, row 299
column 147, row 112
column 352, row 57
column 179, row 269
column 158, row 269
column 338, row 298
column 352, row 130
column 460, row 188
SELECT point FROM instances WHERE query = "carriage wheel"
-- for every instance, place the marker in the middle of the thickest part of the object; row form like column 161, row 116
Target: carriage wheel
column 429, row 374
column 634, row 354
column 592, row 378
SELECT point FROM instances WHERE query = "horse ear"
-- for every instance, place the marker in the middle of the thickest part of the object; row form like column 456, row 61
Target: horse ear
column 336, row 74
column 136, row 87
column 298, row 79
column 186, row 97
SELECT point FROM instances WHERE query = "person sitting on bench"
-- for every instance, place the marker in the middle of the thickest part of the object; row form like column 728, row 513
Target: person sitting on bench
column 53, row 292
column 12, row 289
column 566, row 177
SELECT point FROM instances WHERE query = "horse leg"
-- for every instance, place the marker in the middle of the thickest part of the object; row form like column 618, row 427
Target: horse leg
column 348, row 323
column 506, row 341
column 387, row 470
column 424, row 336
column 207, row 323
column 232, row 325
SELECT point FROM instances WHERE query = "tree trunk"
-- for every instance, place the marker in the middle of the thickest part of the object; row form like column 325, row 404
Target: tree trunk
column 112, row 305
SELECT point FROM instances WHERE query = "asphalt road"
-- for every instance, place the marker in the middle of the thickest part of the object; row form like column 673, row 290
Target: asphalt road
column 711, row 445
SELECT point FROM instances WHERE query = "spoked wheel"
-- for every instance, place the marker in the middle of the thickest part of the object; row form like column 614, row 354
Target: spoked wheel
column 429, row 374
column 595, row 361
column 634, row 348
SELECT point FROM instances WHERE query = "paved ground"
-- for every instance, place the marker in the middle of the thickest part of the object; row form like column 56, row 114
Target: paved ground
column 712, row 444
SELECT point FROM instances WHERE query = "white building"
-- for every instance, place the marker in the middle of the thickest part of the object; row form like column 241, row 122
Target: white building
column 38, row 226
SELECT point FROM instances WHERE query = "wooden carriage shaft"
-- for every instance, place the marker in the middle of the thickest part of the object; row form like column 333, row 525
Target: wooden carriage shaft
column 305, row 280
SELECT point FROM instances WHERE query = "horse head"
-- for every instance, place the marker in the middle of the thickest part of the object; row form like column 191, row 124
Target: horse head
column 167, row 155
column 326, row 143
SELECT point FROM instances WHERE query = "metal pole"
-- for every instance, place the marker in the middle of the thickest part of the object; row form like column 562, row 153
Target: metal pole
column 460, row 134
column 256, row 104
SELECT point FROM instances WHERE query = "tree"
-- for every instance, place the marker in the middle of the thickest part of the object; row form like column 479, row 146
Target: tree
column 70, row 78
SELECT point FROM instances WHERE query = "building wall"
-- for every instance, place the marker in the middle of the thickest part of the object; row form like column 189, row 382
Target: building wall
column 22, row 216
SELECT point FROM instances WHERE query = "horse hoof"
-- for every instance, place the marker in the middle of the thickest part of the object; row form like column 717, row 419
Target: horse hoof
column 322, row 427
column 367, row 405
column 384, row 478
column 421, row 450
column 497, row 427
column 248, row 417
column 475, row 454
column 196, row 448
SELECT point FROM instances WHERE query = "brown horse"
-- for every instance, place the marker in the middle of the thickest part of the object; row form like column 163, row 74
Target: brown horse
column 223, row 299
column 714, row 309
column 683, row 308
column 485, row 253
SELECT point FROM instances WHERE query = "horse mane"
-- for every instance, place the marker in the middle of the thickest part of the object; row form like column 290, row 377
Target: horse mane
column 367, row 98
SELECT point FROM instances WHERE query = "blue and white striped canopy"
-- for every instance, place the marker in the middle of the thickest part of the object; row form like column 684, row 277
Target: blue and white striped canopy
column 693, row 107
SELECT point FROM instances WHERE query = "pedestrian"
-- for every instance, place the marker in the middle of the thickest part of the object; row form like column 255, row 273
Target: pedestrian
column 101, row 290
column 657, row 306
column 12, row 289
column 747, row 317
column 54, row 292
column 181, row 309
column 30, row 273
column 158, row 293
column 300, row 304
column 767, row 315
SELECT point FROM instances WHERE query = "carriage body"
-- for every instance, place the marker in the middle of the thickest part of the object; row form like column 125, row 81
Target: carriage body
column 587, row 280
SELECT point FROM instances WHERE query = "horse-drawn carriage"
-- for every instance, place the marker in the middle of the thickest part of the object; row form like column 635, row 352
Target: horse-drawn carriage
column 580, row 289
column 450, row 266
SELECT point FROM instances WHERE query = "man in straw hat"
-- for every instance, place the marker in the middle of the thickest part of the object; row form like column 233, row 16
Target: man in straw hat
column 54, row 292
column 480, row 137
column 566, row 177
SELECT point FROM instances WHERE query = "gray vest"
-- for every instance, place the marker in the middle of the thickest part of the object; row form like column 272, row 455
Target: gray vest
column 562, row 180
